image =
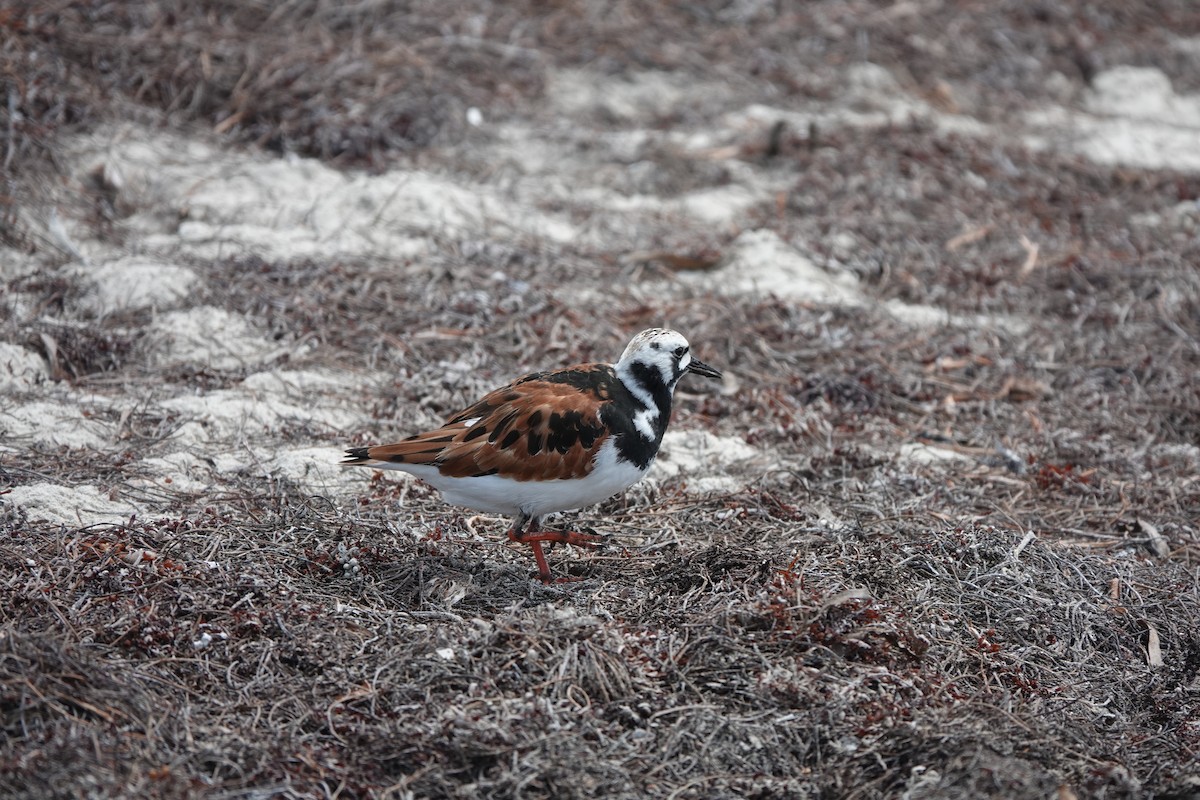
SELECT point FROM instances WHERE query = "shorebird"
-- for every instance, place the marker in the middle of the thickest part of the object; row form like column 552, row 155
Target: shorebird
column 551, row 441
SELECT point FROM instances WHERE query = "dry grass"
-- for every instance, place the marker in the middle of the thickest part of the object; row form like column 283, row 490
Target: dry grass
column 770, row 658
column 358, row 83
column 849, row 624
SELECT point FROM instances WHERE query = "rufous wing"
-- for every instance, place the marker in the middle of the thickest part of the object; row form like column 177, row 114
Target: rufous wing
column 543, row 427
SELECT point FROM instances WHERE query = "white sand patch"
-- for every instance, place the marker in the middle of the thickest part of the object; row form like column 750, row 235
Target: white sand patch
column 919, row 316
column 1136, row 144
column 722, row 205
column 526, row 150
column 604, row 199
column 234, row 415
column 719, row 206
column 1187, row 44
column 314, row 396
column 68, row 505
column 871, row 98
column 226, row 463
column 871, row 87
column 1141, row 93
column 191, row 435
column 284, row 208
column 224, row 416
column 925, row 316
column 1134, row 118
column 20, row 369
column 708, row 462
column 217, row 240
column 317, row 469
column 629, row 98
column 210, row 336
column 180, row 471
column 760, row 262
column 134, row 283
column 53, row 423
column 255, row 411
column 301, row 383
column 246, row 422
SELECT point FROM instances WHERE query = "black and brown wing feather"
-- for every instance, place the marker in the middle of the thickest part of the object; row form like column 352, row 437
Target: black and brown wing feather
column 545, row 426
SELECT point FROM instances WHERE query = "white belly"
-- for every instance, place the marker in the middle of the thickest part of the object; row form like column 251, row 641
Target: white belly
column 499, row 495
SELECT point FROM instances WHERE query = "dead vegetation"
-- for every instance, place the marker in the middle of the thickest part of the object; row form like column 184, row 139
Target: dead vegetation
column 1022, row 620
column 362, row 82
column 292, row 645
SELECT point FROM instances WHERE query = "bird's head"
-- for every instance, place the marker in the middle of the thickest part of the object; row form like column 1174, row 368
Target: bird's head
column 661, row 352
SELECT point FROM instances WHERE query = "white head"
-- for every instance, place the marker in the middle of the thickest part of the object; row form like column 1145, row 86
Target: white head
column 662, row 352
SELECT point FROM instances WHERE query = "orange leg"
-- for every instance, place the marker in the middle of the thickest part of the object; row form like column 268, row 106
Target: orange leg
column 534, row 536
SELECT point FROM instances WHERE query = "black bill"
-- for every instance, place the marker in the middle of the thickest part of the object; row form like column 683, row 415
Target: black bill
column 700, row 368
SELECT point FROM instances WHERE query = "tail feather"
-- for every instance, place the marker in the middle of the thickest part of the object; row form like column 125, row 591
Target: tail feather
column 357, row 456
column 422, row 450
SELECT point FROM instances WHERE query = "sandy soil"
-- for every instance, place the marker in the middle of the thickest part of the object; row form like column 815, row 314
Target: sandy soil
column 934, row 536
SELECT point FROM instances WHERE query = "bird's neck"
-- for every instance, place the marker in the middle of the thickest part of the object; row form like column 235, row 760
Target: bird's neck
column 653, row 394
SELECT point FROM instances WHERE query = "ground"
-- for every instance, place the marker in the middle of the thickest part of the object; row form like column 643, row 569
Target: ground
column 934, row 536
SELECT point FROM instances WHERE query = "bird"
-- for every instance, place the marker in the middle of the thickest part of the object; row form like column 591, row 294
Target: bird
column 551, row 441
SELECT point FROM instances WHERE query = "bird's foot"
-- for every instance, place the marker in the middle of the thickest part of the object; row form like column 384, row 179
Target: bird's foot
column 588, row 541
column 534, row 537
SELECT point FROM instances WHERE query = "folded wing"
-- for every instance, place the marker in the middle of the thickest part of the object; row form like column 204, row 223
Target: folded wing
column 546, row 426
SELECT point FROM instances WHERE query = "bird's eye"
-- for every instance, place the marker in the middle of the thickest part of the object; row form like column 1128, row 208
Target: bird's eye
column 679, row 351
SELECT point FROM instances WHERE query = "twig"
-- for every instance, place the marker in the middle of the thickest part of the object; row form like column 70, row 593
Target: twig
column 969, row 237
column 1031, row 259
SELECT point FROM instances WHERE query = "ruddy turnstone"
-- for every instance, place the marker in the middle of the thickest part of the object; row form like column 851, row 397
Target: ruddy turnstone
column 551, row 441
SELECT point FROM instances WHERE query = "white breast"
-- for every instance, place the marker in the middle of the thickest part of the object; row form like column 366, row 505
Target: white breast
column 497, row 494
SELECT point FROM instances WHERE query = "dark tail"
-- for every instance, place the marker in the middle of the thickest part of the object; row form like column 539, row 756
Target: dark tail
column 357, row 455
